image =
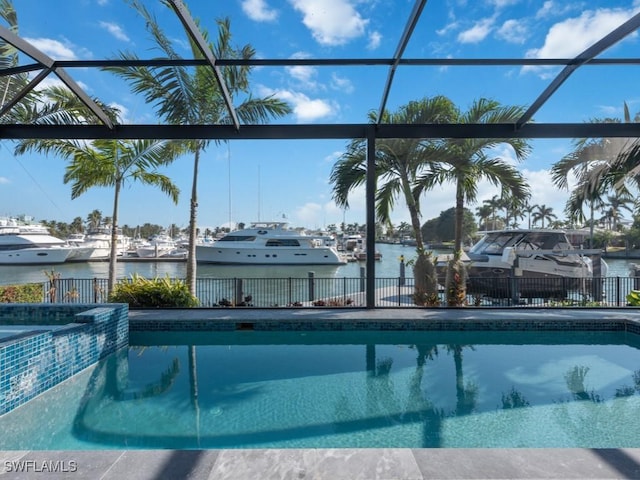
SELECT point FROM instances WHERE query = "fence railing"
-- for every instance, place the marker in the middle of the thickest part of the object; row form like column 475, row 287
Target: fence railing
column 389, row 292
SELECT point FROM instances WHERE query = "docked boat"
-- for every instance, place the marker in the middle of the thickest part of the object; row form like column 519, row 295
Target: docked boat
column 95, row 244
column 269, row 243
column 158, row 246
column 545, row 263
column 30, row 244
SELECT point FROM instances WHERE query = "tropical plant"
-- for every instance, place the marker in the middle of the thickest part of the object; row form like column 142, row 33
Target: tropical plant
column 598, row 164
column 483, row 212
column 466, row 161
column 542, row 214
column 184, row 95
column 398, row 163
column 140, row 292
column 110, row 163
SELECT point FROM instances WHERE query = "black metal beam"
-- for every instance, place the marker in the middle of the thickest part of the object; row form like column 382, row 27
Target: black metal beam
column 320, row 62
column 402, row 44
column 337, row 131
column 194, row 32
column 48, row 63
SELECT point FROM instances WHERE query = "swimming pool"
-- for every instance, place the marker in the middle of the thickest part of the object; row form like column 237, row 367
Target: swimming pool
column 186, row 390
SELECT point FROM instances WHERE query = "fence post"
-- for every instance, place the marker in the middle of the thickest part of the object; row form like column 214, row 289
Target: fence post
column 95, row 290
column 312, row 289
column 238, row 293
column 596, row 274
column 402, row 277
column 362, row 279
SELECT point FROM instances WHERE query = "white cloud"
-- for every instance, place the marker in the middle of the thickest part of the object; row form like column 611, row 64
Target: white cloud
column 332, row 22
column 503, row 3
column 115, row 30
column 53, row 48
column 303, row 74
column 123, row 112
column 478, row 32
column 305, row 109
column 375, row 38
column 342, row 84
column 4, row 180
column 447, row 28
column 513, row 31
column 570, row 37
column 546, row 10
column 259, row 11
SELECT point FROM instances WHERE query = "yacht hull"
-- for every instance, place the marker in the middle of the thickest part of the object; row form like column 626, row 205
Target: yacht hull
column 35, row 256
column 275, row 256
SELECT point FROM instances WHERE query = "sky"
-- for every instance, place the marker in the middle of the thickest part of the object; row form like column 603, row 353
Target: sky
column 246, row 181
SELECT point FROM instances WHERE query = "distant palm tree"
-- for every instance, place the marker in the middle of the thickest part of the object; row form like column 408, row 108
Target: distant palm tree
column 77, row 225
column 399, row 161
column 186, row 95
column 110, row 163
column 495, row 203
column 542, row 214
column 598, row 164
column 94, row 219
column 614, row 206
column 483, row 212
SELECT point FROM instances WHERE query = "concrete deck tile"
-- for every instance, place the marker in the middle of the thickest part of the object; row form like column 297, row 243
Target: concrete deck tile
column 163, row 465
column 527, row 463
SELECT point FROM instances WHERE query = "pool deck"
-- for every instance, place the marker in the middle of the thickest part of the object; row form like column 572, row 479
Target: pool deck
column 338, row 464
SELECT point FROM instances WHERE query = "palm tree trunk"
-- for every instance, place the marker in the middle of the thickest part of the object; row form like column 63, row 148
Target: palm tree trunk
column 113, row 256
column 193, row 212
column 459, row 216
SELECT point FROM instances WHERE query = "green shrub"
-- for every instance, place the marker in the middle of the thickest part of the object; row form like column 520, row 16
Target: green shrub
column 633, row 298
column 29, row 293
column 158, row 292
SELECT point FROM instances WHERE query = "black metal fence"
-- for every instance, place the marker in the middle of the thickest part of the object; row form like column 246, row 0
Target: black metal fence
column 389, row 292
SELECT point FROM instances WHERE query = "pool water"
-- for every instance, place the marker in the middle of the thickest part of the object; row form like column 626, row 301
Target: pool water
column 342, row 389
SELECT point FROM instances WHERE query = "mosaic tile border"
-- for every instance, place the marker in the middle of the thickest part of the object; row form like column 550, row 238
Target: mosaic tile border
column 32, row 362
column 617, row 324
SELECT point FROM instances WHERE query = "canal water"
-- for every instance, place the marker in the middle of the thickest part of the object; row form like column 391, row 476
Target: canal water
column 387, row 267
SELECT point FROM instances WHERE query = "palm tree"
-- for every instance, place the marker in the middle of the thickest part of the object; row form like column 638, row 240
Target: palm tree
column 597, row 164
column 495, row 203
column 398, row 164
column 615, row 204
column 465, row 161
column 543, row 213
column 484, row 213
column 94, row 219
column 191, row 95
column 110, row 163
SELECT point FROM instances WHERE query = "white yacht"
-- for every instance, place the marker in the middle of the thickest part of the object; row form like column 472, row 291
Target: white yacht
column 30, row 244
column 95, row 244
column 159, row 245
column 269, row 243
column 544, row 259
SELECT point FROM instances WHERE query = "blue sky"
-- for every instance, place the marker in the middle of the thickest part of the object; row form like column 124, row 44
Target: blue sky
column 263, row 180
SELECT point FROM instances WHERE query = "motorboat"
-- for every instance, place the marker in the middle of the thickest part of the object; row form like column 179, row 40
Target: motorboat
column 357, row 250
column 159, row 245
column 544, row 262
column 30, row 244
column 95, row 244
column 269, row 243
